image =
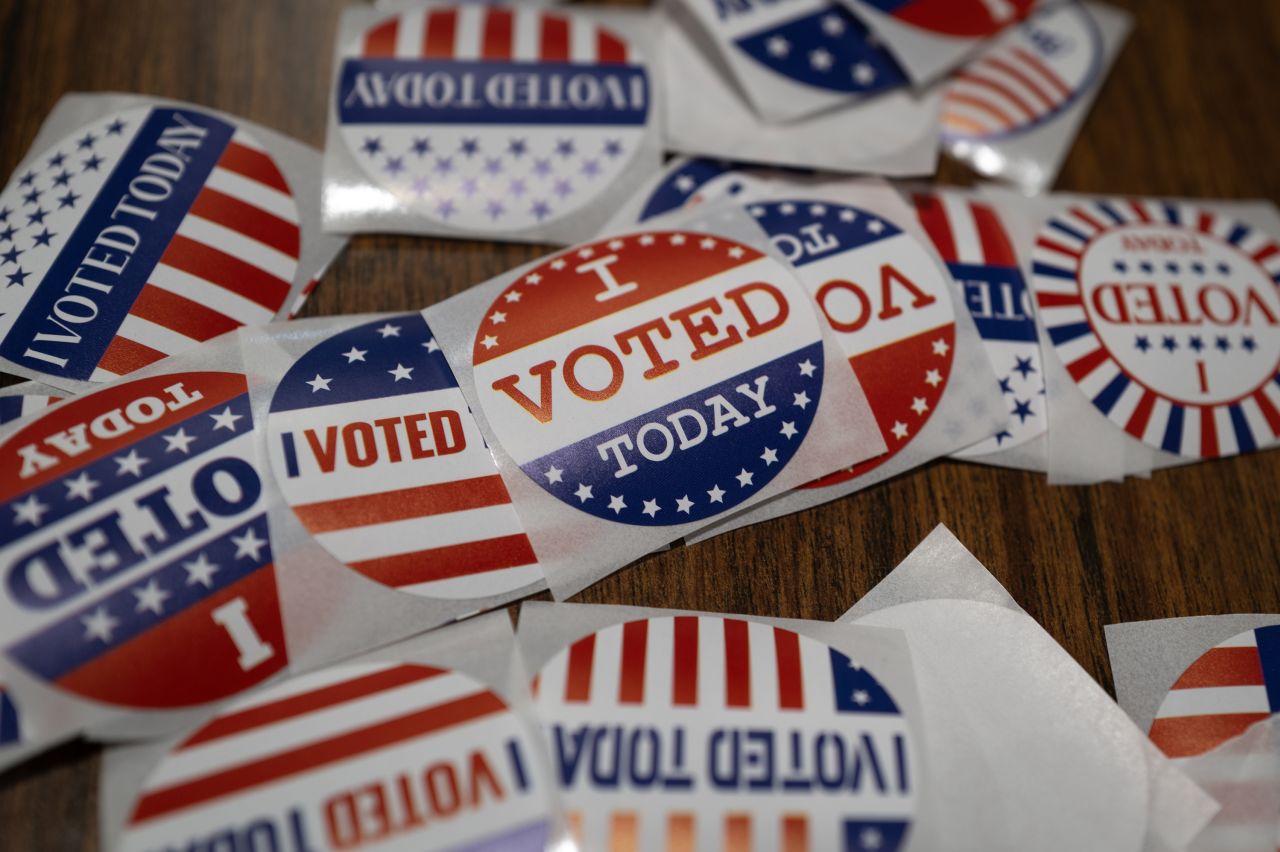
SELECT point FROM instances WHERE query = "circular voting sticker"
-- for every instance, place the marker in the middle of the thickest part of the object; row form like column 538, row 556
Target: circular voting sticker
column 376, row 451
column 133, row 539
column 656, row 378
column 138, row 236
column 1227, row 689
column 960, row 18
column 1035, row 72
column 702, row 732
column 1166, row 316
column 491, row 118
column 887, row 302
column 392, row 756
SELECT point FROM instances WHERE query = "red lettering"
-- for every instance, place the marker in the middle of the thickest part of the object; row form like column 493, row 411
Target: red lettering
column 388, row 427
column 358, row 441
column 582, row 391
column 1151, row 302
column 541, row 410
column 888, row 275
column 418, row 437
column 1253, row 299
column 341, row 823
column 441, row 779
column 701, row 330
column 644, row 333
column 755, row 327
column 446, row 427
column 864, row 305
column 482, row 775
column 327, row 452
column 1120, row 312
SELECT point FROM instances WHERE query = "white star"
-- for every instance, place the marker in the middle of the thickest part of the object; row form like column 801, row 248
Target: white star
column 617, row 504
column 933, row 378
column 81, row 487
column 646, row 239
column 131, row 463
column 789, row 429
column 677, row 239
column 684, row 183
column 200, row 570
column 802, row 399
column 786, row 209
column 226, row 420
column 861, row 697
column 919, row 405
column 389, row 330
column 179, row 441
column 431, row 345
column 707, row 243
column 899, row 430
column 820, row 59
column 353, row 354
column 744, row 477
column 716, row 494
column 778, row 46
column 557, row 264
column 807, row 368
column 870, row 839
column 319, row 383
column 401, row 372
column 29, row 511
column 650, row 508
column 99, row 624
column 583, row 493
column 940, row 347
column 151, row 597
column 817, row 209
column 875, row 226
column 248, row 545
column 863, row 74
column 497, row 317
column 684, row 504
column 532, row 278
column 736, row 252
column 770, row 456
column 756, row 211
column 489, row 341
column 586, row 253
column 832, row 25
column 553, row 475
column 614, row 245
column 847, row 215
column 514, row 296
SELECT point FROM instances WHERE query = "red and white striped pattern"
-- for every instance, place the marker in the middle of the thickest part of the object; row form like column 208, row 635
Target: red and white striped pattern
column 737, row 831
column 964, row 230
column 478, row 32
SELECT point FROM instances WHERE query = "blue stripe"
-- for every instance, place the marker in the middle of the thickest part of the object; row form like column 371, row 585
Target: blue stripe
column 1172, row 442
column 1052, row 271
column 9, row 732
column 1068, row 230
column 1238, row 233
column 1171, row 213
column 1063, row 333
column 10, row 408
column 1107, row 397
column 1269, row 655
column 1244, row 435
column 1110, row 212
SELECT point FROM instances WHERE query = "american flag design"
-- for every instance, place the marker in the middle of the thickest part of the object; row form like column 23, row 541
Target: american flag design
column 652, row 379
column 958, row 18
column 1166, row 315
column 397, row 756
column 10, row 732
column 885, row 300
column 133, row 534
column 492, row 118
column 138, row 236
column 968, row 234
column 18, row 406
column 1030, row 75
column 699, row 732
column 690, row 184
column 375, row 449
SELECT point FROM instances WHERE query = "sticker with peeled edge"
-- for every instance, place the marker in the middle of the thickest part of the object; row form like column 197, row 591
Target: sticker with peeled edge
column 705, row 732
column 958, row 18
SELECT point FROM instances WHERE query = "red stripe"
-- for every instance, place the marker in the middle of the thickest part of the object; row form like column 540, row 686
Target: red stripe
column 1208, row 434
column 684, row 663
column 635, row 637
column 1086, row 364
column 438, row 41
column 403, row 504
column 179, row 313
column 496, row 41
column 795, row 833
column 255, row 165
column 1045, row 242
column 1205, row 222
column 1268, row 411
column 933, row 216
column 254, row 222
column 1084, row 215
column 123, row 356
column 361, row 741
column 1137, row 424
column 1265, row 252
column 1184, row 736
column 610, row 50
column 737, row 664
column 790, row 673
column 308, row 702
column 381, row 40
column 999, row 88
column 443, row 563
column 1223, row 667
column 995, row 242
column 554, row 40
column 1017, row 74
column 985, row 106
column 218, row 267
column 577, row 680
column 1057, row 300
column 737, row 833
column 1139, row 211
column 1044, row 71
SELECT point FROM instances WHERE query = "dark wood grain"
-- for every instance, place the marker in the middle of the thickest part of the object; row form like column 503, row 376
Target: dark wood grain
column 1190, row 109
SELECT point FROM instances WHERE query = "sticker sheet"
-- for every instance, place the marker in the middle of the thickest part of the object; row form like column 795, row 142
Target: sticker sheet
column 1002, row 701
column 429, row 744
column 675, row 730
column 637, row 388
column 794, row 59
column 489, row 121
column 894, row 134
column 137, row 228
column 1013, row 112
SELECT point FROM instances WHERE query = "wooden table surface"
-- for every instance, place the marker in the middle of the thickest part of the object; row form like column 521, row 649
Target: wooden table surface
column 1190, row 109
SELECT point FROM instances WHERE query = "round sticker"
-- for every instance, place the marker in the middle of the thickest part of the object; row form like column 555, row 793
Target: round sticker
column 689, row 185
column 702, row 732
column 1227, row 689
column 134, row 539
column 376, row 451
column 969, row 236
column 651, row 379
column 887, row 302
column 1166, row 317
column 960, row 18
column 397, row 756
column 489, row 118
column 1034, row 73
column 138, row 236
